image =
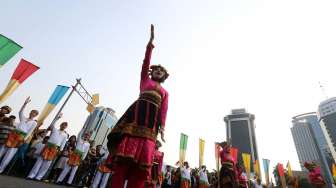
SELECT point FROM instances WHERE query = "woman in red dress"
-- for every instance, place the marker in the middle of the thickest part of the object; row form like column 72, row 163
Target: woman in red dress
column 131, row 142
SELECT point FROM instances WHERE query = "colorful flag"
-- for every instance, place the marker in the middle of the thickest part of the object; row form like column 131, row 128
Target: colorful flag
column 257, row 169
column 21, row 73
column 183, row 147
column 95, row 100
column 266, row 163
column 289, row 170
column 8, row 49
column 201, row 152
column 54, row 99
column 247, row 163
column 334, row 171
column 217, row 153
column 234, row 154
column 281, row 172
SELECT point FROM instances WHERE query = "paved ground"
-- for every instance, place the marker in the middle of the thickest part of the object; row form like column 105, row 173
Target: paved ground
column 13, row 182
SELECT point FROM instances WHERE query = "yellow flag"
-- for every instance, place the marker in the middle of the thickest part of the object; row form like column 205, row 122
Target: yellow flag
column 334, row 170
column 201, row 152
column 247, row 163
column 95, row 99
column 90, row 108
column 257, row 168
column 289, row 169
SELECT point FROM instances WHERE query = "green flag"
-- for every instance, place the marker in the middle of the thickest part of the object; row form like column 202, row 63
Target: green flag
column 8, row 49
column 183, row 147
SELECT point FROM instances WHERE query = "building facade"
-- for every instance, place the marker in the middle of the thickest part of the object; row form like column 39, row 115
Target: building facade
column 327, row 120
column 310, row 143
column 99, row 123
column 240, row 132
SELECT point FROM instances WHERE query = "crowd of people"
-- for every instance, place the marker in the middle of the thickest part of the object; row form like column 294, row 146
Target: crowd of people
column 49, row 155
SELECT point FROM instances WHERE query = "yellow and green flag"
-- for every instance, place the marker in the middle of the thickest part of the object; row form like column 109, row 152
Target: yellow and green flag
column 201, row 152
column 8, row 49
column 334, row 171
column 183, row 147
column 289, row 170
column 247, row 164
column 257, row 169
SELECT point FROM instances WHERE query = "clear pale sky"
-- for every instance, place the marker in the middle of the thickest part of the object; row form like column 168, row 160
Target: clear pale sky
column 263, row 55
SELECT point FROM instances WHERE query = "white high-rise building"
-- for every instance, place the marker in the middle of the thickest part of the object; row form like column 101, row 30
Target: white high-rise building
column 99, row 123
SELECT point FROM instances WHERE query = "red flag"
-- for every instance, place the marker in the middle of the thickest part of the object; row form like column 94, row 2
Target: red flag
column 234, row 154
column 24, row 70
column 21, row 73
column 281, row 170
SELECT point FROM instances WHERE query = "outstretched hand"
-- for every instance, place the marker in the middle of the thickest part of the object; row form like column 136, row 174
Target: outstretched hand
column 27, row 100
column 59, row 116
column 152, row 34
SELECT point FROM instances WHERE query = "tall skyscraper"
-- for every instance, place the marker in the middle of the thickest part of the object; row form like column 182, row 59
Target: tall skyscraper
column 310, row 143
column 100, row 122
column 240, row 131
column 327, row 119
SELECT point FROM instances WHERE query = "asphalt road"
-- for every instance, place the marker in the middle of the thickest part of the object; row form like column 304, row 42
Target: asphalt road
column 13, row 182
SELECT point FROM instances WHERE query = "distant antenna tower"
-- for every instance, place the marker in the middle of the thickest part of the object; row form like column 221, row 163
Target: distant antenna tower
column 323, row 90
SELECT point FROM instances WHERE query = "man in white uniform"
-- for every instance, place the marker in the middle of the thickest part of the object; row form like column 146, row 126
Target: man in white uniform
column 75, row 158
column 17, row 137
column 56, row 143
column 103, row 172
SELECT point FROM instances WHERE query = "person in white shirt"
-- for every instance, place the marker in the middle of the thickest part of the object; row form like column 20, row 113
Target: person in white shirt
column 56, row 143
column 103, row 172
column 38, row 146
column 17, row 137
column 203, row 181
column 75, row 158
column 185, row 176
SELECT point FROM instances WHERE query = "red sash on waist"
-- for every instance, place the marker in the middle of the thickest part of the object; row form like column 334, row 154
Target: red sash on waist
column 49, row 152
column 15, row 139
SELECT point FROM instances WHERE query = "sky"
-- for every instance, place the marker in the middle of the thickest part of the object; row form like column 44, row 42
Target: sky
column 263, row 55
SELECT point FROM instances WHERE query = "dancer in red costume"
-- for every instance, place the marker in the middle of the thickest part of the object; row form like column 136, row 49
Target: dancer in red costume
column 228, row 173
column 132, row 140
column 315, row 175
column 155, row 177
column 243, row 182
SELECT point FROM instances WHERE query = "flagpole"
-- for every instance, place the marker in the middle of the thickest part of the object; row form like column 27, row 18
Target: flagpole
column 66, row 100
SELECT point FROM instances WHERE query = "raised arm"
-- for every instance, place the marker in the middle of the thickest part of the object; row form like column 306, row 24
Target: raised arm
column 21, row 115
column 148, row 54
column 52, row 125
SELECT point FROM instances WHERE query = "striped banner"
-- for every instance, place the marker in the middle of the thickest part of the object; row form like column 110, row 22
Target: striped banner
column 289, row 170
column 8, row 49
column 257, row 169
column 247, row 164
column 183, row 147
column 266, row 163
column 54, row 99
column 21, row 73
column 281, row 172
column 217, row 153
column 334, row 171
column 201, row 152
